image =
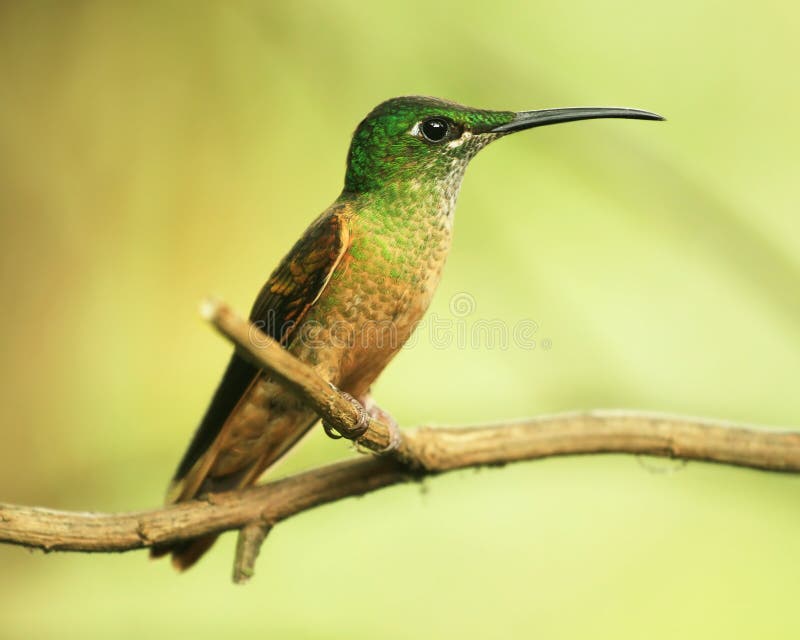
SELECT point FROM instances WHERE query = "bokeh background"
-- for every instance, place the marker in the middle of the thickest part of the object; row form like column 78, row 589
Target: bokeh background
column 157, row 152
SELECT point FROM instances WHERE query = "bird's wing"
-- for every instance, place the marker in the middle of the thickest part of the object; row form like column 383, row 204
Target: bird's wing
column 281, row 306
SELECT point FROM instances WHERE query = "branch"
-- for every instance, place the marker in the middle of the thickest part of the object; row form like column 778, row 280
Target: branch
column 335, row 409
column 251, row 536
column 417, row 453
column 442, row 449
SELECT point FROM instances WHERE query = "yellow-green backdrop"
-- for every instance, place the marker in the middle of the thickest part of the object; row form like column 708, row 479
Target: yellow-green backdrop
column 156, row 152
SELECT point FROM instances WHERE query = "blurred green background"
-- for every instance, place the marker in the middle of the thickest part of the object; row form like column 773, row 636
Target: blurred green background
column 157, row 152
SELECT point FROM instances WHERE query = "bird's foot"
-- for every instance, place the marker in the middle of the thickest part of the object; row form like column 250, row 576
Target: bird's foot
column 356, row 431
column 366, row 408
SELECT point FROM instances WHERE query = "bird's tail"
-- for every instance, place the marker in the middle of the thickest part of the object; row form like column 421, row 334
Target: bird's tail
column 196, row 482
column 185, row 554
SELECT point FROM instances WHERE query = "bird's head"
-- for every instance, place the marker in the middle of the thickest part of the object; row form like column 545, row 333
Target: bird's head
column 416, row 138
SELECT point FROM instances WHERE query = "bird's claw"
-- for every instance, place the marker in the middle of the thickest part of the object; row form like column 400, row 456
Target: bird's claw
column 360, row 427
column 367, row 409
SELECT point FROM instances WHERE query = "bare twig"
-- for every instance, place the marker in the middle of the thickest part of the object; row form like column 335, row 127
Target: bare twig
column 612, row 431
column 251, row 537
column 334, row 408
column 419, row 452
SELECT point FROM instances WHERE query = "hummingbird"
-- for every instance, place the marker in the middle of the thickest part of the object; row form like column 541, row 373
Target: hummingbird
column 350, row 292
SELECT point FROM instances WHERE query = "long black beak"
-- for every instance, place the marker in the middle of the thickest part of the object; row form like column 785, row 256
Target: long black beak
column 530, row 119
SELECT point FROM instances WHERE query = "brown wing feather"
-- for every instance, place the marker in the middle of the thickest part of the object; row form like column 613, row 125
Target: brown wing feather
column 280, row 307
column 302, row 276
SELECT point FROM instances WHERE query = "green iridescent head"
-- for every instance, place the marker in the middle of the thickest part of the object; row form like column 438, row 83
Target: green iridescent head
column 422, row 138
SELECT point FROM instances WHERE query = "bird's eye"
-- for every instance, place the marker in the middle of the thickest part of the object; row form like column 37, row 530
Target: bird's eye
column 435, row 129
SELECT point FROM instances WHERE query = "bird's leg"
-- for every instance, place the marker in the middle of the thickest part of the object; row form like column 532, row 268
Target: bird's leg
column 375, row 412
column 380, row 415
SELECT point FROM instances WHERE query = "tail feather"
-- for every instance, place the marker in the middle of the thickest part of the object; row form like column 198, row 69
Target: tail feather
column 185, row 554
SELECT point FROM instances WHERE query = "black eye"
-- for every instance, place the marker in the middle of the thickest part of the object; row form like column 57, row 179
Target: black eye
column 435, row 129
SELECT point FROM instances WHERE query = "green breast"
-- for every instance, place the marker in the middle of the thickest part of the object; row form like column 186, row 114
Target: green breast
column 399, row 240
column 399, row 244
